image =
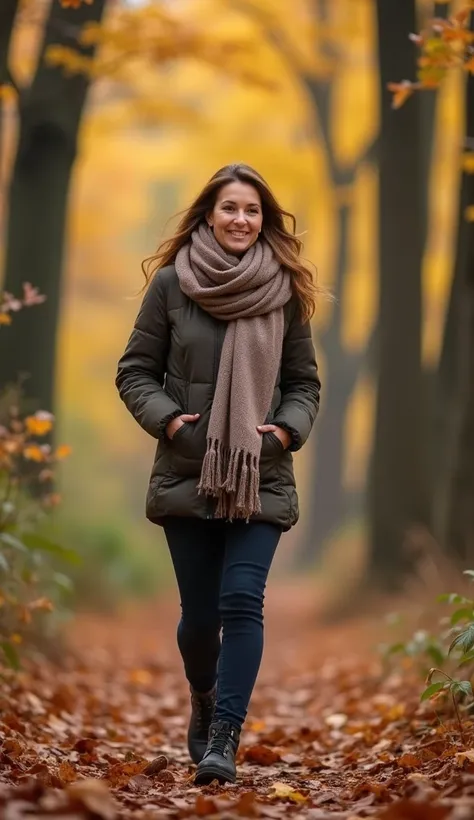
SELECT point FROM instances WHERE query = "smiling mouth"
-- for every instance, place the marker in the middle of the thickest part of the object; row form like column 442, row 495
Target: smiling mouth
column 239, row 234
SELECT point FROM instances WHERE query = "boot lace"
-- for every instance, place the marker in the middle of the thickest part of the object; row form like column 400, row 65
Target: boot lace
column 219, row 742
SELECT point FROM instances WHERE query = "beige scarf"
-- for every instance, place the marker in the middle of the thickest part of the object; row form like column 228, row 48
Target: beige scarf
column 249, row 293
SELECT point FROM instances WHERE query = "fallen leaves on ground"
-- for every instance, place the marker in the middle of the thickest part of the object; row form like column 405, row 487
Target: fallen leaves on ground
column 330, row 734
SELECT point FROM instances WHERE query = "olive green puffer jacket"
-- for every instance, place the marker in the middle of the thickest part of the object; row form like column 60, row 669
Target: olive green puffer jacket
column 170, row 367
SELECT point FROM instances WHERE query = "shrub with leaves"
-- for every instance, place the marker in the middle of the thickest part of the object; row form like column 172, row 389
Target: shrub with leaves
column 29, row 582
column 423, row 648
column 451, row 649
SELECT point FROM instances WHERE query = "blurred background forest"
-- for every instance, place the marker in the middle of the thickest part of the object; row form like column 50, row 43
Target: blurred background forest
column 121, row 111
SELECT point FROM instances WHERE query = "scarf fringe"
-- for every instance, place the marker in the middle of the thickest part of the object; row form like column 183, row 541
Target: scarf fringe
column 233, row 477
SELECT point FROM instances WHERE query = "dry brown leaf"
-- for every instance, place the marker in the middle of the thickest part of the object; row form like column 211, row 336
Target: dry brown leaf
column 413, row 810
column 409, row 761
column 85, row 745
column 246, row 805
column 165, row 776
column 283, row 791
column 94, row 796
column 204, row 806
column 67, row 772
column 141, row 676
column 380, row 790
column 262, row 755
column 156, row 765
column 120, row 773
column 462, row 757
column 138, row 783
column 62, row 726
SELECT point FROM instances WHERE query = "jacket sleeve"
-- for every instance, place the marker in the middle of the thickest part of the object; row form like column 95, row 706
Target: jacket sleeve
column 299, row 384
column 141, row 369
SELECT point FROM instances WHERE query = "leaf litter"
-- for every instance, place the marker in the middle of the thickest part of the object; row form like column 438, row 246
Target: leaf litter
column 331, row 735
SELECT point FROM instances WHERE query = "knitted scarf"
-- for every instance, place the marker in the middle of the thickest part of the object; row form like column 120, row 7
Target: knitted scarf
column 249, row 294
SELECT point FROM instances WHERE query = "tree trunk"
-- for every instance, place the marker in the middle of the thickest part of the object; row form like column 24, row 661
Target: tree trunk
column 397, row 492
column 428, row 111
column 331, row 505
column 8, row 9
column 428, row 104
column 50, row 114
column 453, row 504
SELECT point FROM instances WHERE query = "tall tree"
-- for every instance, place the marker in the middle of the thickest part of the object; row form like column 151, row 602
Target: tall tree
column 397, row 485
column 50, row 111
column 331, row 503
column 453, row 500
column 8, row 10
column 428, row 103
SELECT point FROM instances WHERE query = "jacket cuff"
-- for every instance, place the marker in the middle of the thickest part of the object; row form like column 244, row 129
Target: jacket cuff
column 296, row 442
column 161, row 429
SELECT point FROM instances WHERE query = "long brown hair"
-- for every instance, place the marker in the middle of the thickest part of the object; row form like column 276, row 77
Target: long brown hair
column 286, row 246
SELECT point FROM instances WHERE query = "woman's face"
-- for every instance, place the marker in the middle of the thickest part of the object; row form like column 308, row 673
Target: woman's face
column 237, row 217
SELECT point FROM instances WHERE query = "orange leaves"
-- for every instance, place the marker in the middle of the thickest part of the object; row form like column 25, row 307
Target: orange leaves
column 262, row 755
column 284, row 791
column 352, row 740
column 159, row 33
column 409, row 761
column 62, row 452
column 444, row 45
column 71, row 60
column 401, row 92
column 205, row 806
column 33, row 452
column 75, row 4
column 7, row 93
column 18, row 441
column 39, row 424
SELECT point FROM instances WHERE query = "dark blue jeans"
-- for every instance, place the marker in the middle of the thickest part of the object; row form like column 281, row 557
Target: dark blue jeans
column 222, row 569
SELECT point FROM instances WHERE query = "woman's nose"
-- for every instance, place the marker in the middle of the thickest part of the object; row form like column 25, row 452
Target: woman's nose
column 240, row 219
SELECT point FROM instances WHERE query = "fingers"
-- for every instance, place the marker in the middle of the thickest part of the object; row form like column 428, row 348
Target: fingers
column 266, row 428
column 190, row 417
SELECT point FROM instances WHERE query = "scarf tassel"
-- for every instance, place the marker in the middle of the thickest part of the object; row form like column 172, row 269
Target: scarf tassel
column 233, row 477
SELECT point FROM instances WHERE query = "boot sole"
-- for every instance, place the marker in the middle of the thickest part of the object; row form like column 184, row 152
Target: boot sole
column 206, row 776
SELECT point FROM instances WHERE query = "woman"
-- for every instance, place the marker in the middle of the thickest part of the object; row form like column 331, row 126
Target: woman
column 220, row 368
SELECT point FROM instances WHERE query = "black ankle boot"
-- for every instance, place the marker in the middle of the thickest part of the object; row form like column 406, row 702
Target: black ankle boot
column 202, row 712
column 218, row 762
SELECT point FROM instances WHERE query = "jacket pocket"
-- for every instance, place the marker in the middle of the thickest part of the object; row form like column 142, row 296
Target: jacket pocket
column 187, row 445
column 271, row 446
column 176, row 441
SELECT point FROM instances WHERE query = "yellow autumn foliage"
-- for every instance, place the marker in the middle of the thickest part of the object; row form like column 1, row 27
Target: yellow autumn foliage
column 157, row 127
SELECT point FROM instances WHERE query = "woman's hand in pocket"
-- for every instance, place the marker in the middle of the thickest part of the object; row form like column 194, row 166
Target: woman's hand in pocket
column 279, row 432
column 178, row 422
